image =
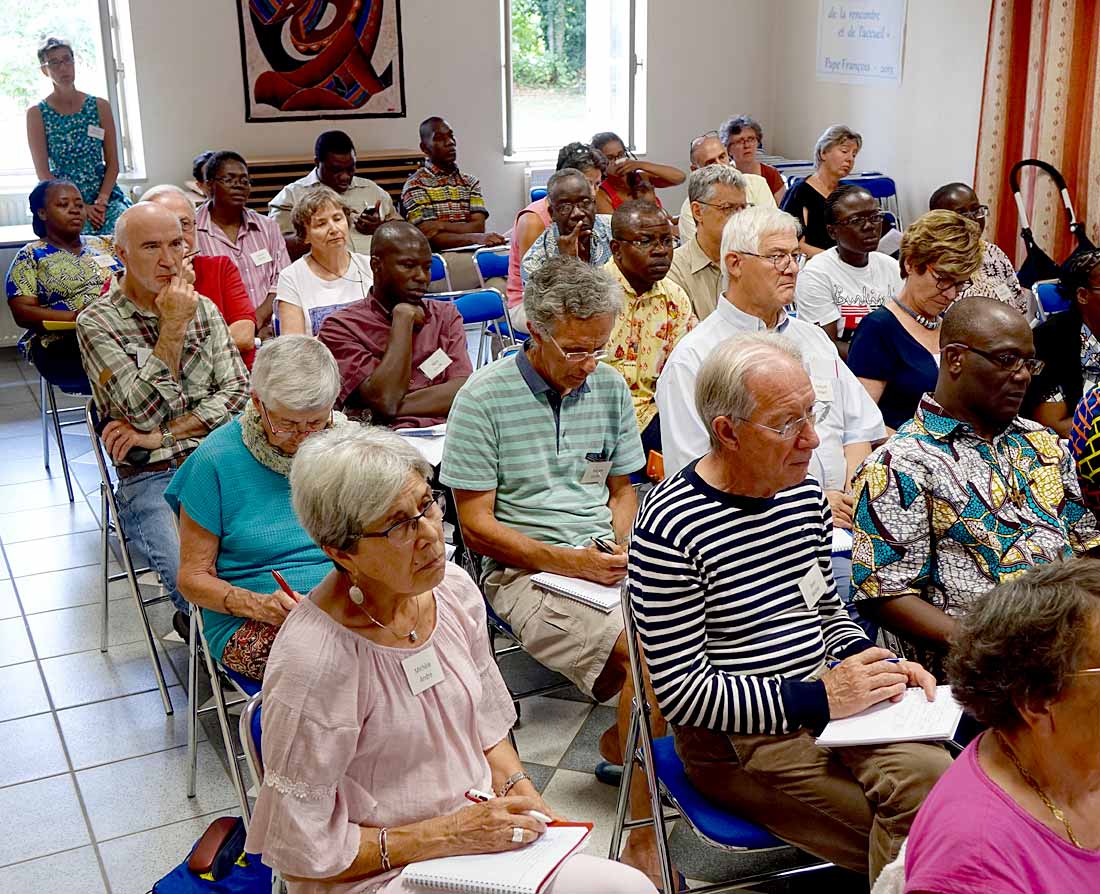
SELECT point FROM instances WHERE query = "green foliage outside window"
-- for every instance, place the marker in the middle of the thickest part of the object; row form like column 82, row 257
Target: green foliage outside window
column 548, row 43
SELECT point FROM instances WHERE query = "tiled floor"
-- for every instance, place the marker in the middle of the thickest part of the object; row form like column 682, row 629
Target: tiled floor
column 93, row 775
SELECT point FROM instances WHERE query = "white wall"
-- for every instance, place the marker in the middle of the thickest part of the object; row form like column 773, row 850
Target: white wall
column 923, row 133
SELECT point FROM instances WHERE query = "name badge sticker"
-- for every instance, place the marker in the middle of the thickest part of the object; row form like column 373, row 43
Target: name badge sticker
column 260, row 256
column 103, row 261
column 422, row 670
column 595, row 472
column 813, row 586
column 436, row 363
column 823, row 390
column 143, row 354
column 96, row 133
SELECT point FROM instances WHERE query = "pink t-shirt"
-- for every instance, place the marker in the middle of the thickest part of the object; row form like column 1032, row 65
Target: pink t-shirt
column 971, row 836
column 541, row 209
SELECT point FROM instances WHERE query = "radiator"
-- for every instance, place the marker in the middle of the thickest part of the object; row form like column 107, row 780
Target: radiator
column 14, row 210
column 535, row 177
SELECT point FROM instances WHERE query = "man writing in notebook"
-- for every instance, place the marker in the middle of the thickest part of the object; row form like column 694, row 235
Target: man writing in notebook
column 748, row 645
column 540, row 447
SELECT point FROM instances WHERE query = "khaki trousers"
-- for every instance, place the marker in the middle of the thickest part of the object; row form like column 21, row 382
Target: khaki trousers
column 851, row 806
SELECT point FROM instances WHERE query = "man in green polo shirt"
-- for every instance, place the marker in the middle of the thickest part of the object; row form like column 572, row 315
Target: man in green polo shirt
column 540, row 447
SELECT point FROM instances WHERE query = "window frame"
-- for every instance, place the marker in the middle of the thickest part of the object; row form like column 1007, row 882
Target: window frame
column 634, row 63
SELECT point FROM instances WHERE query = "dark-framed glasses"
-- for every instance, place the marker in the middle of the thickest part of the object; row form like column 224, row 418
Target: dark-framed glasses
column 863, row 221
column 648, row 243
column 781, row 260
column 235, row 180
column 728, row 209
column 945, row 284
column 793, row 428
column 404, row 532
column 1009, row 362
column 60, row 62
column 566, row 208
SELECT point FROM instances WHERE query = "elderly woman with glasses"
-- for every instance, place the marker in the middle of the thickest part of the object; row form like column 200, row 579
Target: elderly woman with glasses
column 996, row 278
column 895, row 351
column 232, row 496
column 743, row 137
column 383, row 705
column 835, row 156
column 1019, row 811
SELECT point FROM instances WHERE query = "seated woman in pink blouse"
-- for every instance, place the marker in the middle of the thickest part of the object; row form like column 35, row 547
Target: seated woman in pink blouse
column 1019, row 811
column 367, row 761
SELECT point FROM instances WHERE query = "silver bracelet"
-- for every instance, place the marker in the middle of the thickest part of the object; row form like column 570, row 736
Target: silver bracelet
column 512, row 780
column 383, row 849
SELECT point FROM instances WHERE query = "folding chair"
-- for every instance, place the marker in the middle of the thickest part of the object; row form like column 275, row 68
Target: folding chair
column 47, row 402
column 491, row 261
column 1050, row 298
column 538, row 192
column 109, row 523
column 244, row 688
column 667, row 781
column 486, row 308
column 440, row 273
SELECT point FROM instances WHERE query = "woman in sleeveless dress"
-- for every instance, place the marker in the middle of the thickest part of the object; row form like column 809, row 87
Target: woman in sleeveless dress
column 72, row 137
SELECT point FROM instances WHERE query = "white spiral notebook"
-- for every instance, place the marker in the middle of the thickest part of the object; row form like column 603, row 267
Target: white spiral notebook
column 595, row 595
column 913, row 719
column 525, row 871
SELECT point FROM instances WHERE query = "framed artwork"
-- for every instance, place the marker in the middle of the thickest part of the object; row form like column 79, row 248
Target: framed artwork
column 309, row 59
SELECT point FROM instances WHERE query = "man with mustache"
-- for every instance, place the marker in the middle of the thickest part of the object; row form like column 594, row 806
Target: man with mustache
column 401, row 359
column 967, row 494
column 656, row 312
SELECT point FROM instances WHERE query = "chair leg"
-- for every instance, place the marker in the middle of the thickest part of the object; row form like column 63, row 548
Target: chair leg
column 60, row 440
column 193, row 703
column 227, row 738
column 660, row 830
column 150, row 644
column 45, row 423
column 623, row 806
column 105, row 528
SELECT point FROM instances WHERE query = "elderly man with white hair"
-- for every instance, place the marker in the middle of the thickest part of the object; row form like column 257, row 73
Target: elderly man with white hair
column 748, row 645
column 715, row 193
column 706, row 151
column 540, row 448
column 213, row 276
column 760, row 258
column 164, row 374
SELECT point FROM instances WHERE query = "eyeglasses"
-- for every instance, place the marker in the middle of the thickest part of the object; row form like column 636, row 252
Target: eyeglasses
column 945, row 285
column 648, row 243
column 575, row 356
column 234, row 181
column 403, row 533
column 976, row 214
column 748, row 140
column 863, row 221
column 816, row 415
column 299, row 428
column 566, row 208
column 55, row 64
column 728, row 209
column 1010, row 363
column 783, row 258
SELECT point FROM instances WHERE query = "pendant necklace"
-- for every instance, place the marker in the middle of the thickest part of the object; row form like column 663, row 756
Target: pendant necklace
column 356, row 596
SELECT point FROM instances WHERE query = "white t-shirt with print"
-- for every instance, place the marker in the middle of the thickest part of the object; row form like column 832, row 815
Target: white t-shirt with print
column 828, row 289
column 300, row 286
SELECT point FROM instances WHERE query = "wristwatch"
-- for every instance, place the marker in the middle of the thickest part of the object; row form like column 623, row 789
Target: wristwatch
column 167, row 439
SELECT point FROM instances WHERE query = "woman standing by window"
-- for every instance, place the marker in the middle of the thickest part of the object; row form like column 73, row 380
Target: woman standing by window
column 72, row 137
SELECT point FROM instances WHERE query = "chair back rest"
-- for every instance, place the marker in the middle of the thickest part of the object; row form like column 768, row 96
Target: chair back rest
column 440, row 271
column 538, row 192
column 482, row 306
column 491, row 261
column 251, row 731
column 1050, row 298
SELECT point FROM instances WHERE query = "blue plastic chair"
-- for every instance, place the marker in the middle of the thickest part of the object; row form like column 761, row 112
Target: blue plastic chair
column 666, row 779
column 1050, row 298
column 440, row 271
column 538, row 192
column 491, row 261
column 484, row 308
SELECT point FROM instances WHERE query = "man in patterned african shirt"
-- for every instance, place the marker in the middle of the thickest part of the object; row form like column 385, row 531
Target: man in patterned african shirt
column 966, row 494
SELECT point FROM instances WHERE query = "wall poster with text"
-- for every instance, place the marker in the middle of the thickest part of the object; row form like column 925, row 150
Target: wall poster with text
column 310, row 59
column 860, row 41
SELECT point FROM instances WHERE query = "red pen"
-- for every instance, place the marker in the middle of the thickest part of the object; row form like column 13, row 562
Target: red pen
column 283, row 585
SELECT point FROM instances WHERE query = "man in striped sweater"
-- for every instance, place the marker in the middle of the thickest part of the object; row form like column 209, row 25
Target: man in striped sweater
column 740, row 624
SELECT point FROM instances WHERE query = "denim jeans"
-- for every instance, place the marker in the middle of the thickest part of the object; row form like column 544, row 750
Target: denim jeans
column 150, row 527
column 842, row 574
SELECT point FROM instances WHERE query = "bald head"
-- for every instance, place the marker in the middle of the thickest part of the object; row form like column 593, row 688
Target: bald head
column 633, row 215
column 137, row 222
column 179, row 204
column 401, row 261
column 979, row 320
column 952, row 197
column 708, row 150
column 437, row 141
column 150, row 244
column 395, row 235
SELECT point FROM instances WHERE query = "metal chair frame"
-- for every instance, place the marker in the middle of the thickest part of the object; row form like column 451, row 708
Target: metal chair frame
column 109, row 523
column 47, row 400
column 497, row 325
column 490, row 251
column 639, row 742
column 255, row 760
column 441, row 262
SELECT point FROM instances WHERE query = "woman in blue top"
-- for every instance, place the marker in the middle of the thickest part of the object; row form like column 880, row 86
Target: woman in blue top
column 72, row 136
column 232, row 496
column 895, row 352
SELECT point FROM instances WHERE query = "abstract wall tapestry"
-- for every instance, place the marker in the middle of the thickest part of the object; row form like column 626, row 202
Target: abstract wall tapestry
column 310, row 59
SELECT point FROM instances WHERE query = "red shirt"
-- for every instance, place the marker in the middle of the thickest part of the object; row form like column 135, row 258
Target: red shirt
column 359, row 334
column 219, row 280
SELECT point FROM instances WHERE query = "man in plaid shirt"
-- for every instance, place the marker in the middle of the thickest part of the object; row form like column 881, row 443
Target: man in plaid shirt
column 445, row 204
column 164, row 373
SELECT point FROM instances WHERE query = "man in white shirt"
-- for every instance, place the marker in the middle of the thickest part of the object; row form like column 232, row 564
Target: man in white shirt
column 840, row 286
column 760, row 256
column 708, row 150
column 370, row 204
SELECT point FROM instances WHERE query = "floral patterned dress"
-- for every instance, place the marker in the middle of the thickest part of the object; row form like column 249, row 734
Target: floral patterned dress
column 76, row 154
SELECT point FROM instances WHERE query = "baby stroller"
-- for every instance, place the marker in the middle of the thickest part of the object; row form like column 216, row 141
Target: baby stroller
column 1038, row 265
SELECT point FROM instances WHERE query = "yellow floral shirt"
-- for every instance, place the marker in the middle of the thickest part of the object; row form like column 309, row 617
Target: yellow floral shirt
column 644, row 335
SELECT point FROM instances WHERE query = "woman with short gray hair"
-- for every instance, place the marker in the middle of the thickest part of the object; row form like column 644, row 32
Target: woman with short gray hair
column 835, row 156
column 743, row 137
column 1020, row 809
column 232, row 496
column 385, row 714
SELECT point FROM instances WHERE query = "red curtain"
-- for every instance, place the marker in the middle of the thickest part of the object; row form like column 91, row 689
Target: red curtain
column 1041, row 99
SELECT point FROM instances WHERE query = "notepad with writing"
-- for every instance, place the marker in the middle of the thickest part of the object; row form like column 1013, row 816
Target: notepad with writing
column 525, row 871
column 913, row 719
column 596, row 595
